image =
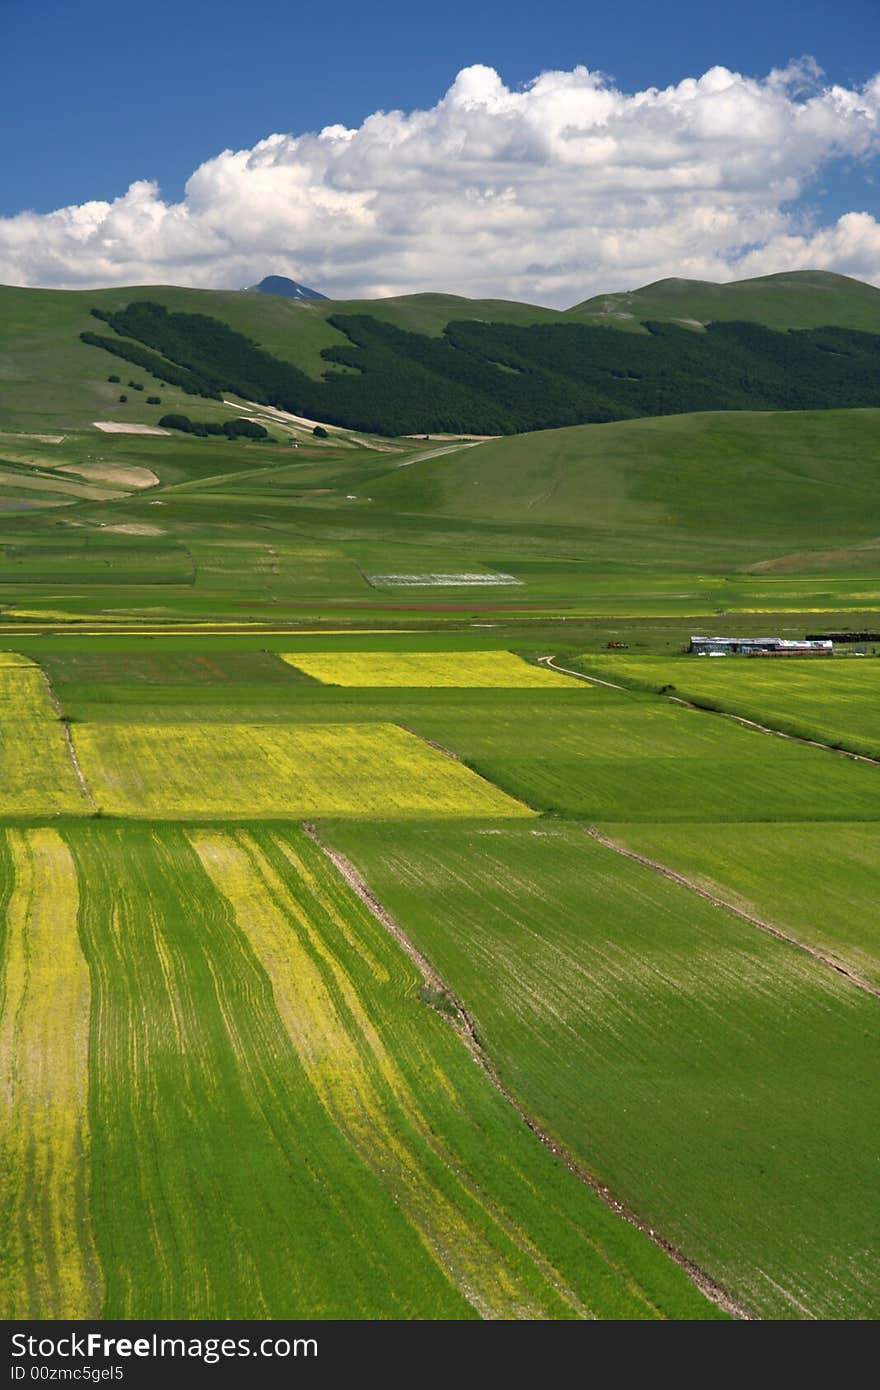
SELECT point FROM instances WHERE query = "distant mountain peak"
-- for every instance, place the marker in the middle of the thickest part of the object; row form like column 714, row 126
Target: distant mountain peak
column 288, row 289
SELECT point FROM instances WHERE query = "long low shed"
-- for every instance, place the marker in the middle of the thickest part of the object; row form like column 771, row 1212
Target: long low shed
column 760, row 646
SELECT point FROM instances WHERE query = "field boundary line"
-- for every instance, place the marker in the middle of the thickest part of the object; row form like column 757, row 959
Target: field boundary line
column 56, row 705
column 774, row 733
column 723, row 713
column 457, row 758
column 432, row 743
column 740, row 912
column 464, row 1024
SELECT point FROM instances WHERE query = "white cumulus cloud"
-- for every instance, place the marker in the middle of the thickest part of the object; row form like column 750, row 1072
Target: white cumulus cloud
column 550, row 193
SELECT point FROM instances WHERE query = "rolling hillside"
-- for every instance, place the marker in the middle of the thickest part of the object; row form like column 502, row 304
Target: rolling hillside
column 794, row 299
column 49, row 378
column 793, row 480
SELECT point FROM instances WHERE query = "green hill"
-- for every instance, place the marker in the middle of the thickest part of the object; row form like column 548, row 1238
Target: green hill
column 715, row 483
column 50, row 379
column 794, row 299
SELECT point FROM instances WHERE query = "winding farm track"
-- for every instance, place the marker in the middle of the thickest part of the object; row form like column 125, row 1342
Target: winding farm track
column 437, row 453
column 465, row 1026
column 579, row 675
column 775, row 733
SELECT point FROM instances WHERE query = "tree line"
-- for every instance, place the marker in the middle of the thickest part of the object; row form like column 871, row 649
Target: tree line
column 495, row 378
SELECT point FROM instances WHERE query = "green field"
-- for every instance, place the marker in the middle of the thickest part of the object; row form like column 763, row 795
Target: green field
column 817, row 883
column 259, row 1117
column 705, row 1070
column 835, row 702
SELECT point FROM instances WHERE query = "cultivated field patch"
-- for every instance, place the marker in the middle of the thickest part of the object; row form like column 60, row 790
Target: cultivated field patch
column 123, row 475
column 715, row 1078
column 123, row 427
column 15, row 482
column 49, row 1267
column 630, row 757
column 818, row 883
column 353, row 1074
column 466, row 670
column 228, row 770
column 282, row 1128
column 836, row 701
column 37, row 774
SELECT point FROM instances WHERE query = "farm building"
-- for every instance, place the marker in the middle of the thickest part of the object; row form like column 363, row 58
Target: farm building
column 759, row 646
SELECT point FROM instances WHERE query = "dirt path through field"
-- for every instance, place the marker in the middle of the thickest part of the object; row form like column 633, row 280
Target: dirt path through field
column 744, row 916
column 465, row 1026
column 437, row 453
column 56, row 705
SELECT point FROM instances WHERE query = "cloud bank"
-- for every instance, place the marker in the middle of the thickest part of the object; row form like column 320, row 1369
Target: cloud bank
column 550, row 193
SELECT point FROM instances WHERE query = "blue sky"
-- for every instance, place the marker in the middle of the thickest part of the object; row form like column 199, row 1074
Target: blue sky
column 100, row 95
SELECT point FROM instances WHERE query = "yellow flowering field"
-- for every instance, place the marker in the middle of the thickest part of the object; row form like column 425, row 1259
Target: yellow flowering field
column 213, row 771
column 37, row 775
column 463, row 669
column 49, row 1267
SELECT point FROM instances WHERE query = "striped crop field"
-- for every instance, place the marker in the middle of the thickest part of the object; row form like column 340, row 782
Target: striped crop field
column 465, row 670
column 49, row 1267
column 228, row 1100
column 37, row 774
column 836, row 701
column 716, row 1078
column 204, row 772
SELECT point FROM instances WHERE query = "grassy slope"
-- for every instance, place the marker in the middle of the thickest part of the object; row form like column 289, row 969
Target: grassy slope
column 737, row 481
column 257, row 524
column 794, row 299
column 704, row 1070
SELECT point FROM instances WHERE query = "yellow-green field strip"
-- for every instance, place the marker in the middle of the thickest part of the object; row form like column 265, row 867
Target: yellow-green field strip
column 462, row 670
column 228, row 771
column 226, row 1095
column 38, row 774
column 49, row 1267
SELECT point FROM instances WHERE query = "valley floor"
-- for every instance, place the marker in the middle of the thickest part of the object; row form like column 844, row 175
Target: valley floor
column 359, row 962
